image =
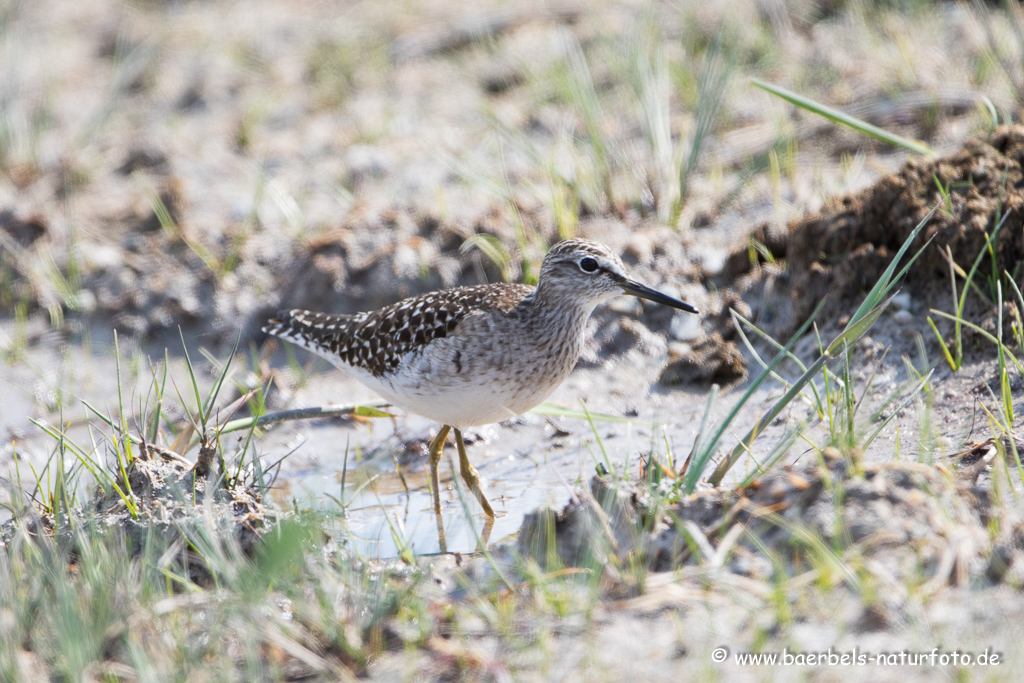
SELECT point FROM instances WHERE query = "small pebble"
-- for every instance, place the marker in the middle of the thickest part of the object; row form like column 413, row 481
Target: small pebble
column 798, row 482
column 102, row 256
column 902, row 301
column 903, row 317
column 678, row 349
column 86, row 300
column 712, row 262
column 229, row 283
column 685, row 327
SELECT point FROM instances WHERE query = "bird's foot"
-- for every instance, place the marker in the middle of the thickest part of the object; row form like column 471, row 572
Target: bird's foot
column 470, row 476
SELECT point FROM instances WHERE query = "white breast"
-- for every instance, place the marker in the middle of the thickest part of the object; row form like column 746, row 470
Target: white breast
column 460, row 400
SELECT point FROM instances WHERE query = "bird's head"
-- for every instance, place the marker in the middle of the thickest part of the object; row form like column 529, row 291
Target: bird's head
column 589, row 272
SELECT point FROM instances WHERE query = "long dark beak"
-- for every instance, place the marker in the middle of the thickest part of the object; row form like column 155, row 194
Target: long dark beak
column 645, row 292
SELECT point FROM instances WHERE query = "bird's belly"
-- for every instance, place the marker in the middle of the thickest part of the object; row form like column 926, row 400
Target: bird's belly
column 467, row 407
column 466, row 401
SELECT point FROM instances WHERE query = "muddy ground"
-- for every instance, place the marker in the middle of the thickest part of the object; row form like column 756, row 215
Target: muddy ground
column 200, row 165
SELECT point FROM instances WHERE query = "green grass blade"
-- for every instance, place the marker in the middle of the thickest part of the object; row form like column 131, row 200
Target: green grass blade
column 856, row 329
column 844, row 119
column 195, row 384
column 369, row 411
column 1016, row 290
column 212, row 399
column 711, row 88
column 737, row 319
column 581, row 92
column 953, row 364
column 491, row 247
column 110, row 421
column 762, row 423
column 968, row 281
column 260, row 409
column 886, row 280
column 895, row 411
column 549, row 409
column 704, row 455
column 777, row 453
column 987, row 335
column 98, row 472
column 158, row 411
column 702, row 430
column 120, row 400
column 600, row 442
column 300, row 414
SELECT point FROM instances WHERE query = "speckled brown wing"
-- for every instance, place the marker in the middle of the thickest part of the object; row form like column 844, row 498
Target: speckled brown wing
column 376, row 341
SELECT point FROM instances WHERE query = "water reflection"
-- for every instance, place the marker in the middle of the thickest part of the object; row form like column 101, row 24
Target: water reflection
column 383, row 518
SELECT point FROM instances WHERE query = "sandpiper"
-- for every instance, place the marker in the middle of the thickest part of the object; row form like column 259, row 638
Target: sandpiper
column 471, row 356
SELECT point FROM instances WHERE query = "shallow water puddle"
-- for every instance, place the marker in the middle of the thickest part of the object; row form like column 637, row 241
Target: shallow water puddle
column 382, row 518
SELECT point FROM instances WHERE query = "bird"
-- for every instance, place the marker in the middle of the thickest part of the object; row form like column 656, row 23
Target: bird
column 473, row 355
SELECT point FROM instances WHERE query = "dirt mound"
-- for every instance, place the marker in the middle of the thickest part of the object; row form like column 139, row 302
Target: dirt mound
column 169, row 500
column 842, row 251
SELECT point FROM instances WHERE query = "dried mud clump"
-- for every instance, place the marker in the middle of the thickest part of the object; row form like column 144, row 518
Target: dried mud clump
column 708, row 360
column 842, row 251
column 908, row 521
column 172, row 502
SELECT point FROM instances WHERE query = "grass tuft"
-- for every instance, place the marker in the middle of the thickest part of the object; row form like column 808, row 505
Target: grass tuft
column 860, row 322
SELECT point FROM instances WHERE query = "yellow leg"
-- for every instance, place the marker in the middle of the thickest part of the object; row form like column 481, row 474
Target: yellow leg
column 470, row 476
column 485, row 533
column 436, row 447
column 442, row 542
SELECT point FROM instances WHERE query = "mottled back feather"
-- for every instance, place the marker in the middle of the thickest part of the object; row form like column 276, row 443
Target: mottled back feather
column 376, row 341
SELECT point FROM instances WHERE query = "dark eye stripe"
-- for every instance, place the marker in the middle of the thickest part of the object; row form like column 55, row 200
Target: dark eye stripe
column 588, row 265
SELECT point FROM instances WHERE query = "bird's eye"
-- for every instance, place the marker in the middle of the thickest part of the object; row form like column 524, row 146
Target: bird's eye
column 588, row 265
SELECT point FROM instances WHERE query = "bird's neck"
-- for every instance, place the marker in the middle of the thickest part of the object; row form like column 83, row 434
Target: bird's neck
column 557, row 317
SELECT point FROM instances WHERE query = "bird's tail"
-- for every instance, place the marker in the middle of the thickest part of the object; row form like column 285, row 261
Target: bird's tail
column 318, row 332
